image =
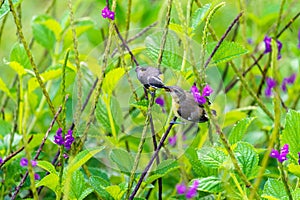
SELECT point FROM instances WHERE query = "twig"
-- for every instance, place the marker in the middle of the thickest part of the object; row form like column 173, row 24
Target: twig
column 144, row 173
column 222, row 39
column 125, row 45
column 10, row 156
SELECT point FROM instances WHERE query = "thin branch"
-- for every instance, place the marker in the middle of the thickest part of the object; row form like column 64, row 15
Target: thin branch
column 144, row 173
column 222, row 39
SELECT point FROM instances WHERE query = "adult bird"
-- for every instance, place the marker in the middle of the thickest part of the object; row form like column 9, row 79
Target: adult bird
column 150, row 77
column 185, row 106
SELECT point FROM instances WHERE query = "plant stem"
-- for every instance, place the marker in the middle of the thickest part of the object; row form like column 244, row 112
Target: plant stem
column 145, row 171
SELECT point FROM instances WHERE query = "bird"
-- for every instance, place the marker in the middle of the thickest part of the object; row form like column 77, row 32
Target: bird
column 150, row 77
column 184, row 105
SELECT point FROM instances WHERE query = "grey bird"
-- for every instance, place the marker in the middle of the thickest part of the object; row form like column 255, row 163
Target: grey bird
column 184, row 105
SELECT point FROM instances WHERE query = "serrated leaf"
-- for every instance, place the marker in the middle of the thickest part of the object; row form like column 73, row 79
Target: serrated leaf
column 199, row 15
column 81, row 158
column 46, row 166
column 291, row 133
column 98, row 186
column 247, row 157
column 172, row 55
column 19, row 55
column 17, row 67
column 42, row 34
column 274, row 189
column 4, row 9
column 5, row 89
column 163, row 169
column 122, row 159
column 210, row 184
column 78, row 189
column 226, row 52
column 111, row 80
column 50, row 181
column 294, row 169
column 239, row 130
column 46, row 76
column 211, row 157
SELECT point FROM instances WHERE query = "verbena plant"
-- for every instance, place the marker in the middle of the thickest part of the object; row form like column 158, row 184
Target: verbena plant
column 77, row 124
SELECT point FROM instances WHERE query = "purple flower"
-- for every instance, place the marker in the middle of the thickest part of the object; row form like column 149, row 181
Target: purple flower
column 207, row 90
column 69, row 139
column 205, row 93
column 271, row 83
column 33, row 163
column 23, row 162
column 282, row 155
column 267, row 41
column 58, row 138
column 65, row 155
column 181, row 188
column 274, row 153
column 172, row 140
column 1, row 160
column 288, row 80
column 160, row 101
column 106, row 13
column 191, row 193
column 37, row 176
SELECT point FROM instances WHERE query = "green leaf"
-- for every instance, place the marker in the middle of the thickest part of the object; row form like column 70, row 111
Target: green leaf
column 102, row 115
column 233, row 116
column 294, row 169
column 42, row 34
column 78, row 188
column 211, row 157
column 5, row 128
column 50, row 181
column 111, row 80
column 4, row 9
column 247, row 158
column 291, row 133
column 5, row 89
column 163, row 169
column 19, row 55
column 81, row 158
column 115, row 191
column 226, row 52
column 172, row 56
column 142, row 104
column 46, row 76
column 239, row 130
column 199, row 15
column 210, row 184
column 47, row 166
column 81, row 26
column 17, row 67
column 274, row 189
column 98, row 186
column 177, row 28
column 122, row 159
